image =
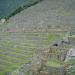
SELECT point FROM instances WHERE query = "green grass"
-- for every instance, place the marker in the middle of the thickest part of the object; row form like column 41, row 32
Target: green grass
column 72, row 36
column 54, row 63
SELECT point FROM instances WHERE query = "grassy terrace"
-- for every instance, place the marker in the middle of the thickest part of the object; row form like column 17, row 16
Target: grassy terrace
column 54, row 63
column 17, row 48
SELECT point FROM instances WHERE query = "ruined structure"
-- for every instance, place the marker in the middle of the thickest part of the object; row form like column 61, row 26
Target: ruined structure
column 44, row 60
column 70, row 56
column 48, row 61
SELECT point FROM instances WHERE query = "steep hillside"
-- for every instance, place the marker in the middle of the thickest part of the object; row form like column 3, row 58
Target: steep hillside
column 46, row 13
column 17, row 48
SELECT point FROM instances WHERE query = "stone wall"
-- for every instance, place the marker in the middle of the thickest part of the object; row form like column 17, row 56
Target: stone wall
column 72, row 40
column 57, row 53
column 40, row 57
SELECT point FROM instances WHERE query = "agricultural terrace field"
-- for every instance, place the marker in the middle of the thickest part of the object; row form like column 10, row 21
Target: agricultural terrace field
column 17, row 48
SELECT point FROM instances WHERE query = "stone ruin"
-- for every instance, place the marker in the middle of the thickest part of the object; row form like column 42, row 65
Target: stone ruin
column 57, row 52
column 42, row 56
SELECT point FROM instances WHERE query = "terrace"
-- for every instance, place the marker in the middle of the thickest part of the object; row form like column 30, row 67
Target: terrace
column 18, row 48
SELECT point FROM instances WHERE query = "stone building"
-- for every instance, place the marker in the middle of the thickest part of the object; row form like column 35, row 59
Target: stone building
column 58, row 50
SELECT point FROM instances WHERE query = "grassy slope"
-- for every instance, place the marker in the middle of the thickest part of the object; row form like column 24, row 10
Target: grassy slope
column 47, row 13
column 17, row 48
column 54, row 63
